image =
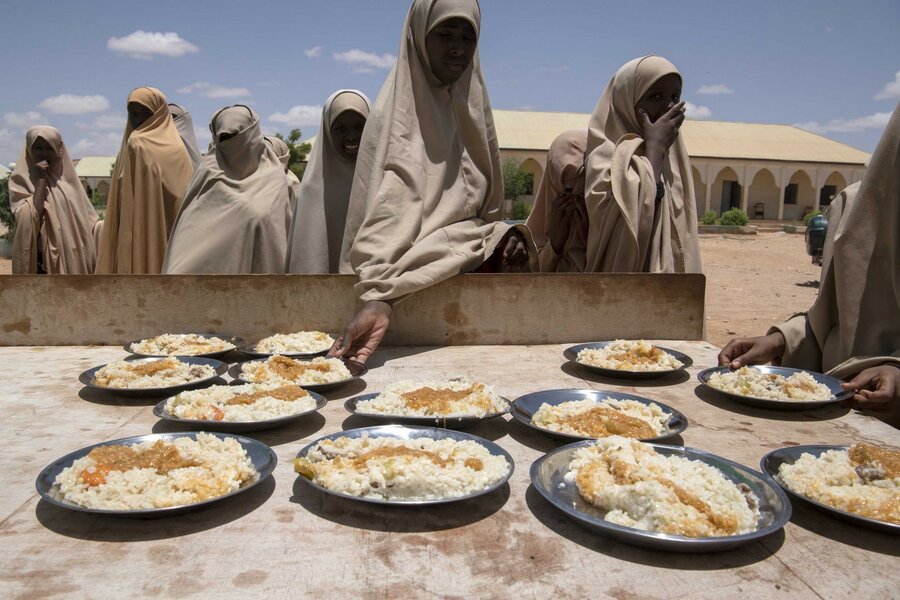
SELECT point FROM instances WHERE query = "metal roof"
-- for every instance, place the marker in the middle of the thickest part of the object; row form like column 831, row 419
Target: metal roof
column 95, row 166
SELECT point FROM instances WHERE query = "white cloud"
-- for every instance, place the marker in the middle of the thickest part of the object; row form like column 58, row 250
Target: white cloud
column 97, row 144
column 11, row 144
column 874, row 121
column 211, row 90
column 71, row 104
column 204, row 137
column 24, row 120
column 694, row 111
column 890, row 90
column 314, row 52
column 715, row 89
column 144, row 44
column 362, row 70
column 299, row 116
column 362, row 59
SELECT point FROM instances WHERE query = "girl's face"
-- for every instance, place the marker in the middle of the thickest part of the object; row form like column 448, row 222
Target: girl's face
column 41, row 150
column 450, row 47
column 662, row 95
column 138, row 114
column 346, row 131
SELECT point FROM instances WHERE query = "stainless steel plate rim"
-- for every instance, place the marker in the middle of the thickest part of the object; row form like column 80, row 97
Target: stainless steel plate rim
column 231, row 339
column 686, row 361
column 250, row 350
column 87, row 377
column 351, row 403
column 159, row 410
column 235, row 372
column 833, row 384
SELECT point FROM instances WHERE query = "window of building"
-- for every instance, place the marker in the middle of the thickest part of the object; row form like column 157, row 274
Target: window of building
column 790, row 193
column 731, row 195
column 827, row 194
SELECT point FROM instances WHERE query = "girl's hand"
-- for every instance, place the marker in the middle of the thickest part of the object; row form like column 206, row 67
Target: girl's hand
column 515, row 252
column 43, row 169
column 740, row 352
column 660, row 135
column 875, row 386
column 364, row 333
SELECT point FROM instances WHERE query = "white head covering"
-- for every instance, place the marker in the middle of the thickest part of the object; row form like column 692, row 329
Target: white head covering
column 628, row 233
column 237, row 208
column 280, row 147
column 185, row 126
column 317, row 233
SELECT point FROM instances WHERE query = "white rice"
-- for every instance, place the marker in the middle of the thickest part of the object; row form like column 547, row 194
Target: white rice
column 624, row 355
column 753, row 383
column 177, row 344
column 263, row 372
column 632, row 484
column 330, row 464
column 481, row 401
column 166, row 372
column 211, row 404
column 302, row 342
column 554, row 417
column 223, row 468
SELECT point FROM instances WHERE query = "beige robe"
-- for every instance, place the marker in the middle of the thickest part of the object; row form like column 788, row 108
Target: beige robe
column 148, row 184
column 280, row 147
column 628, row 233
column 237, row 209
column 564, row 175
column 185, row 125
column 70, row 227
column 428, row 190
column 317, row 233
column 854, row 323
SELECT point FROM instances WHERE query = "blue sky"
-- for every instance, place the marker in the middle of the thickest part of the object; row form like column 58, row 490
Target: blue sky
column 832, row 66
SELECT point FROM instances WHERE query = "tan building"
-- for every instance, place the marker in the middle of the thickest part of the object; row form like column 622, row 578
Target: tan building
column 95, row 174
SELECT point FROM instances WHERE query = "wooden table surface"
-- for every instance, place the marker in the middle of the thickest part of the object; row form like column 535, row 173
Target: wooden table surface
column 285, row 539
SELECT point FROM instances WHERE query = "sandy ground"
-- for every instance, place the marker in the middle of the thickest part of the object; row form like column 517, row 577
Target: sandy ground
column 752, row 282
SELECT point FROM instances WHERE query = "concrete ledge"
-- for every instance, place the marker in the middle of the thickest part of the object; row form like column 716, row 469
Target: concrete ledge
column 730, row 229
column 466, row 310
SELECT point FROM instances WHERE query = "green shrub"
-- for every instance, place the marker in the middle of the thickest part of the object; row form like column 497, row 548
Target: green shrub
column 520, row 211
column 709, row 218
column 734, row 217
column 6, row 216
column 810, row 215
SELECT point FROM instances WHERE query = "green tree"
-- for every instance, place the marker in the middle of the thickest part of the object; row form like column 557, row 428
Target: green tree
column 6, row 216
column 516, row 181
column 299, row 152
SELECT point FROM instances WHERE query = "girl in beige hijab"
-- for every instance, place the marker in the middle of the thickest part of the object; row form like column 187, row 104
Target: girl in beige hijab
column 280, row 147
column 148, row 183
column 559, row 221
column 56, row 226
column 852, row 330
column 317, row 233
column 185, row 126
column 427, row 190
column 237, row 209
column 639, row 189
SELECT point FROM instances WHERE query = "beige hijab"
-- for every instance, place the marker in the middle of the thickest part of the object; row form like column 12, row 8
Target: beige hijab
column 237, row 208
column 317, row 233
column 564, row 175
column 148, row 183
column 185, row 126
column 628, row 233
column 68, row 233
column 281, row 150
column 427, row 190
column 855, row 321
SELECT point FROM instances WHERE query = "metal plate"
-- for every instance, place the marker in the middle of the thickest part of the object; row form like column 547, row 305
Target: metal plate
column 572, row 354
column 250, row 350
column 401, row 432
column 833, row 384
column 445, row 422
column 87, row 378
column 356, row 369
column 238, row 426
column 233, row 340
column 262, row 457
column 524, row 408
column 772, row 462
column 547, row 474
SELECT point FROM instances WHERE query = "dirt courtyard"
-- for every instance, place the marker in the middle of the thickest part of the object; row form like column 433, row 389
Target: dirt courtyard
column 752, row 282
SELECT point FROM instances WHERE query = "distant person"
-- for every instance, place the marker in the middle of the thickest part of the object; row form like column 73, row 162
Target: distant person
column 237, row 209
column 56, row 225
column 559, row 221
column 428, row 189
column 639, row 191
column 283, row 152
column 852, row 330
column 185, row 126
column 148, row 184
column 317, row 233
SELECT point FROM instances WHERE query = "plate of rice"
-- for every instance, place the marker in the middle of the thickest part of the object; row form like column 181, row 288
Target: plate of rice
column 593, row 414
column 858, row 483
column 779, row 388
column 318, row 374
column 404, row 466
column 156, row 475
column 302, row 344
column 628, row 359
column 205, row 345
column 449, row 403
column 240, row 408
column 667, row 498
column 148, row 377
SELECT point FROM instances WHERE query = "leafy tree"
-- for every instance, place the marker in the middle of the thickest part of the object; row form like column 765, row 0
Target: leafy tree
column 520, row 211
column 516, row 181
column 6, row 216
column 299, row 152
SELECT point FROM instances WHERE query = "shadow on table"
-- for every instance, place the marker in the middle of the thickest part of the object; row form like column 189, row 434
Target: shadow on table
column 819, row 522
column 825, row 413
column 354, row 388
column 492, row 429
column 557, row 522
column 105, row 398
column 386, row 354
column 403, row 519
column 544, row 442
column 293, row 431
column 572, row 369
column 102, row 528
